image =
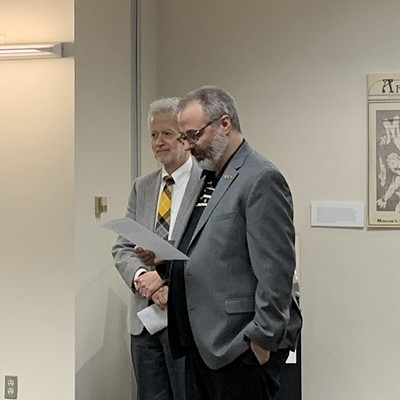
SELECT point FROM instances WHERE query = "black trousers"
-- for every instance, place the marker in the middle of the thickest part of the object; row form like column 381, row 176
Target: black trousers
column 243, row 379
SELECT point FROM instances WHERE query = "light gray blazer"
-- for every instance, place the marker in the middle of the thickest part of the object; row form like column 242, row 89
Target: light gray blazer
column 242, row 258
column 142, row 207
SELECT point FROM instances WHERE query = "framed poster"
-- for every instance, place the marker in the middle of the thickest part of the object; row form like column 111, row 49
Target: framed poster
column 384, row 150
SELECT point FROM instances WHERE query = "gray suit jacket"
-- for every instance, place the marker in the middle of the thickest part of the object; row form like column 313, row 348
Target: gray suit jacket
column 239, row 276
column 142, row 207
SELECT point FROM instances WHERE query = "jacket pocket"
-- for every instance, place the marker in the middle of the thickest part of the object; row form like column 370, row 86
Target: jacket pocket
column 239, row 305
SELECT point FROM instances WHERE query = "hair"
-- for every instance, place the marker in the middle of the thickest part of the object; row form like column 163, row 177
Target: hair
column 215, row 103
column 168, row 105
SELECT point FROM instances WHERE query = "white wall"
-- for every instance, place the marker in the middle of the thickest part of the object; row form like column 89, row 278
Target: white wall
column 102, row 52
column 298, row 71
column 36, row 204
column 148, row 76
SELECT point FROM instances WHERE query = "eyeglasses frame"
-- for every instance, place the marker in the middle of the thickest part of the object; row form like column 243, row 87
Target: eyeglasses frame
column 196, row 134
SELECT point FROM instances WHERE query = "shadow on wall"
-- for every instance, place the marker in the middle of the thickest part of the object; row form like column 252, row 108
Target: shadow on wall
column 107, row 374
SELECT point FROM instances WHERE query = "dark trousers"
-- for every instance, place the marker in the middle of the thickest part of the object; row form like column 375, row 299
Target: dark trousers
column 243, row 379
column 158, row 375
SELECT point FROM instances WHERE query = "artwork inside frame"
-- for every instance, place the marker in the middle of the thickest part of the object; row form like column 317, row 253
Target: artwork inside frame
column 384, row 150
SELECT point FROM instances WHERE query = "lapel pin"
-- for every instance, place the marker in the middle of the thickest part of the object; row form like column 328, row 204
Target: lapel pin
column 226, row 176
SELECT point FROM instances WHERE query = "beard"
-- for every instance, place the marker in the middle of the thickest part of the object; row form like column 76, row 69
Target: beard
column 210, row 156
column 165, row 158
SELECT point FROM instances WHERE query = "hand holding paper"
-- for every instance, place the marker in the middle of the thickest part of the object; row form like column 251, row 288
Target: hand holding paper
column 146, row 256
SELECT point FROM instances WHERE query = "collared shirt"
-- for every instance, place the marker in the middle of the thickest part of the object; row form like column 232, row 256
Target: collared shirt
column 181, row 178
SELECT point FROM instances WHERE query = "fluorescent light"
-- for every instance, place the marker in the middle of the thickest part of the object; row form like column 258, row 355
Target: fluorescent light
column 26, row 51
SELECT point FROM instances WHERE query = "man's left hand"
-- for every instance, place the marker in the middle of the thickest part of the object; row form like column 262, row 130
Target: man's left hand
column 148, row 283
column 160, row 297
column 261, row 354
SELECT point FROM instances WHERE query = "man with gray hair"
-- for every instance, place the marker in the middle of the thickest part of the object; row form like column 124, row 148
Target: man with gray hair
column 231, row 307
column 159, row 201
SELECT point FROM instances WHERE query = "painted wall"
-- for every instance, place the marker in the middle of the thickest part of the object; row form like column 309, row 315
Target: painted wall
column 148, row 76
column 102, row 52
column 298, row 71
column 37, row 204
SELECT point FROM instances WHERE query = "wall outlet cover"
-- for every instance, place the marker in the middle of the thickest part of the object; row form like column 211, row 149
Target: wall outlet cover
column 11, row 387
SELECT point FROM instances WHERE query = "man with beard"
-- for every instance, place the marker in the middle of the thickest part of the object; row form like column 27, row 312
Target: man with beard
column 231, row 308
column 158, row 375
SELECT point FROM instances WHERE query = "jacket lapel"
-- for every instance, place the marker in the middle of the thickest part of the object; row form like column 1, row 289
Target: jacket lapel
column 150, row 207
column 192, row 192
column 227, row 179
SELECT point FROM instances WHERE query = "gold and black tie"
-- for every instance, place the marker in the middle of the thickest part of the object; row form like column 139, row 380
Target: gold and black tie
column 164, row 208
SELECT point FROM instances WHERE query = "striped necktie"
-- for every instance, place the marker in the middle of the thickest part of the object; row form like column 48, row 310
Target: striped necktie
column 164, row 208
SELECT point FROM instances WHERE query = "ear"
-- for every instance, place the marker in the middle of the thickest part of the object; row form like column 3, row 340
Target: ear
column 226, row 122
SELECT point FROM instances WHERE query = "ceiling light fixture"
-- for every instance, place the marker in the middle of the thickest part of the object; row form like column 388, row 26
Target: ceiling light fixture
column 29, row 51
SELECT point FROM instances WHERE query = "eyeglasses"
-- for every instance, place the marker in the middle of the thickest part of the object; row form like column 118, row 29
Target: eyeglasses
column 192, row 135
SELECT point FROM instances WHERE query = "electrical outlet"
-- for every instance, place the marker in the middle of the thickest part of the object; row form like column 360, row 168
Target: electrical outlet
column 11, row 387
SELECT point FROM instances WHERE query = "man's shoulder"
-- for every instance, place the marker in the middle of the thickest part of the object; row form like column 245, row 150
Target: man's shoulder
column 148, row 178
column 256, row 161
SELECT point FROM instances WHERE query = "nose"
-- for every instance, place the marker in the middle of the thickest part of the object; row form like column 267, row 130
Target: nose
column 160, row 139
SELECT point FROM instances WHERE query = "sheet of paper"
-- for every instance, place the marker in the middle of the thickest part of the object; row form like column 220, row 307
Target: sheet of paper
column 143, row 237
column 292, row 359
column 153, row 318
